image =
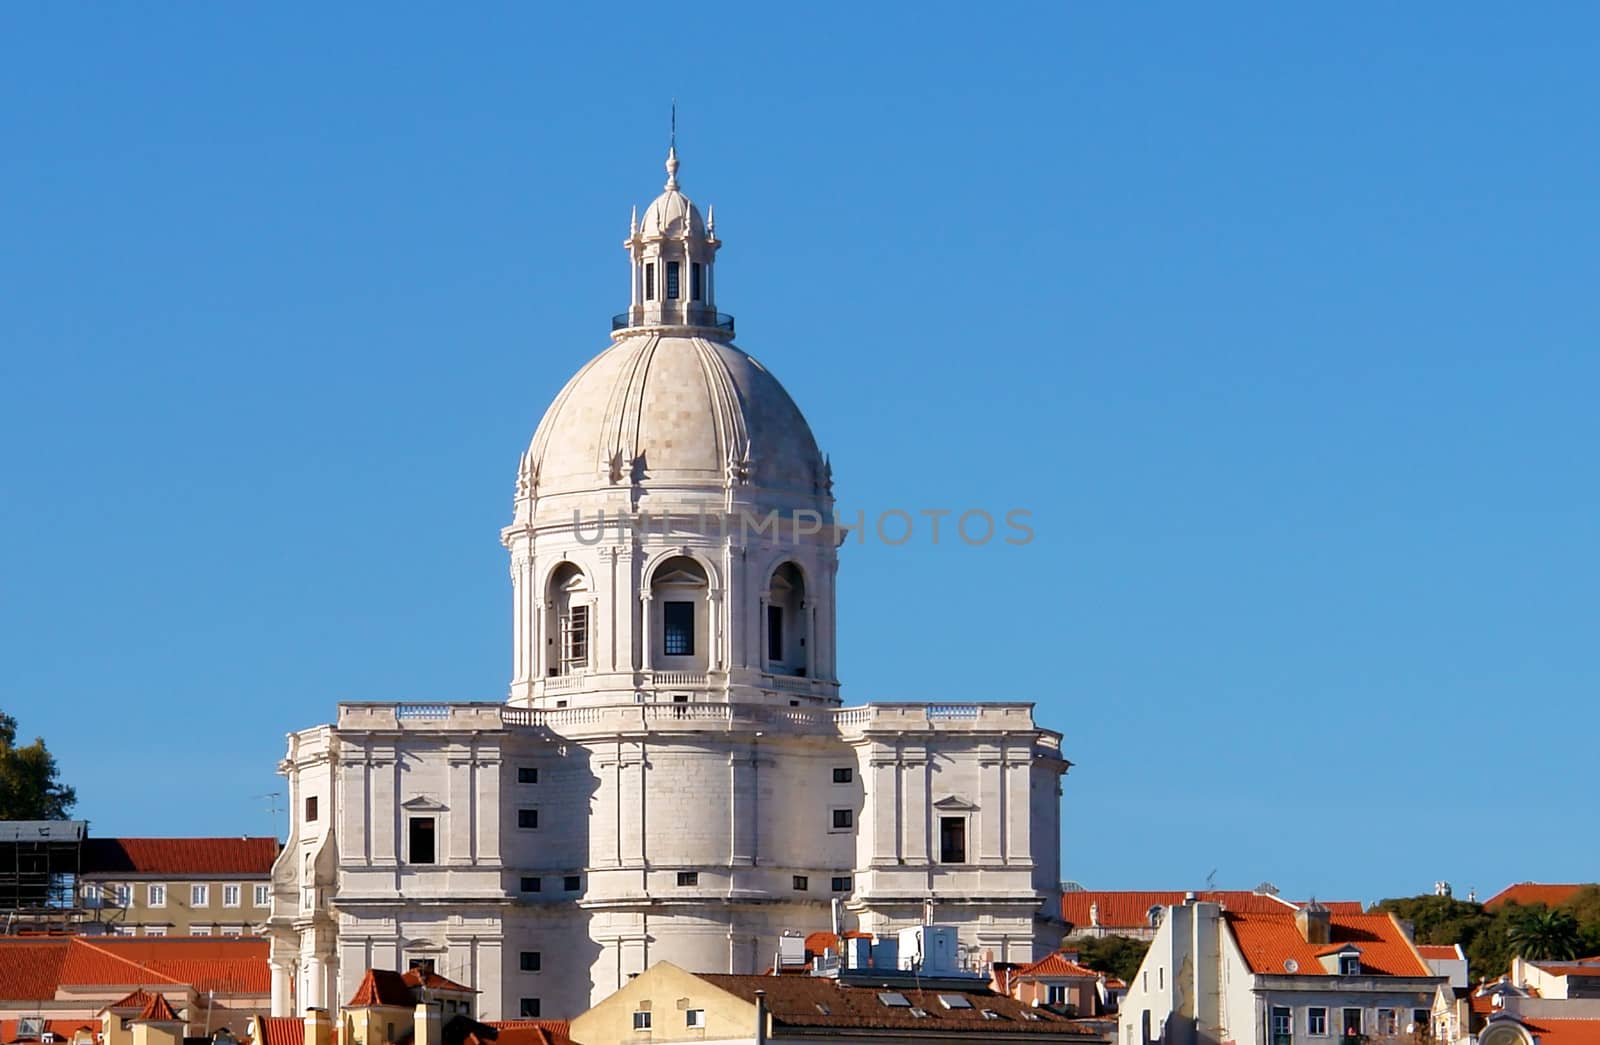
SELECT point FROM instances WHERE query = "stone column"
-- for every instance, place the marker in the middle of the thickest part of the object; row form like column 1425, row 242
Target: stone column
column 646, row 646
column 282, row 989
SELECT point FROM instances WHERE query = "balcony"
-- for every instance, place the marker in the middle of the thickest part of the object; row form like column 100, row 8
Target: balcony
column 689, row 316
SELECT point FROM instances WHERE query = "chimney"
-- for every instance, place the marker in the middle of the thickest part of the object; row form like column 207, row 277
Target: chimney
column 1314, row 923
column 428, row 1029
column 319, row 1027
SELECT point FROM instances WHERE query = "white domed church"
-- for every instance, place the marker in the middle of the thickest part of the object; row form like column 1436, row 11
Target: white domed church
column 673, row 776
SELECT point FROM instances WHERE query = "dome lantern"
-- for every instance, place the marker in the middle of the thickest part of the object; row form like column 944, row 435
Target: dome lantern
column 672, row 253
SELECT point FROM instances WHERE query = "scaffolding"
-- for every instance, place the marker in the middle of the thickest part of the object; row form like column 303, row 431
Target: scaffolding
column 40, row 865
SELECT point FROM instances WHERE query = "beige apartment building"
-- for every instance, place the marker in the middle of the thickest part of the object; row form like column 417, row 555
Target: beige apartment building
column 178, row 886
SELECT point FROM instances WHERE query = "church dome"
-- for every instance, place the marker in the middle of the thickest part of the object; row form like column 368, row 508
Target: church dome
column 672, row 214
column 673, row 411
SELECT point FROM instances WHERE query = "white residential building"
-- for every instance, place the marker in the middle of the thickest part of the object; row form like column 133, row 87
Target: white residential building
column 673, row 776
column 1307, row 977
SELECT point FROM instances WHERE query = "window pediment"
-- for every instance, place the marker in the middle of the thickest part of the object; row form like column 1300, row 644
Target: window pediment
column 424, row 804
column 955, row 804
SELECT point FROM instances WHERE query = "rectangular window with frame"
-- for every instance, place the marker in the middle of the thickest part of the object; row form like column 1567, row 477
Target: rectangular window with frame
column 1352, row 1022
column 532, row 961
column 641, row 1020
column 311, row 809
column 688, row 878
column 262, row 896
column 843, row 819
column 1422, row 1021
column 231, row 895
column 572, row 883
column 677, row 629
column 156, row 894
column 1056, row 994
column 527, row 774
column 529, row 1008
column 842, row 884
column 672, row 280
column 532, row 883
column 697, row 287
column 843, row 774
column 1317, row 1021
column 952, row 839
column 199, row 930
column 528, row 819
column 801, row 883
column 575, row 640
column 694, row 1017
column 649, row 281
column 420, row 834
column 774, row 632
column 155, row 930
column 1282, row 1026
column 122, row 895
column 199, row 895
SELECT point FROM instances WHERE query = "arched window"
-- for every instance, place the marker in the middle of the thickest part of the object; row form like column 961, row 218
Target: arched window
column 568, row 627
column 786, row 623
column 681, row 627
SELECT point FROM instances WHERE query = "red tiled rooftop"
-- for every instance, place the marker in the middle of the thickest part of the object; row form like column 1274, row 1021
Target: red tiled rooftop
column 37, row 969
column 136, row 1001
column 381, row 987
column 1439, row 951
column 1576, row 967
column 282, row 1030
column 179, row 857
column 1526, row 893
column 433, row 981
column 1117, row 909
column 1564, row 1031
column 1268, row 941
column 1056, row 964
column 526, row 1032
column 794, row 1002
column 157, row 1010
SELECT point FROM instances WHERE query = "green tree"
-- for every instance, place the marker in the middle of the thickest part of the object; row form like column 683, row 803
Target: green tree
column 29, row 787
column 1584, row 905
column 1118, row 956
column 1542, row 933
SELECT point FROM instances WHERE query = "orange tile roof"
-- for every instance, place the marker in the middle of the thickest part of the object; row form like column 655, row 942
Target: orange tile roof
column 381, row 987
column 813, row 1001
column 1440, row 951
column 157, row 1010
column 36, row 969
column 282, row 1030
column 30, row 970
column 179, row 857
column 1268, row 940
column 63, row 1029
column 526, row 1032
column 1056, row 964
column 1526, row 893
column 1563, row 1031
column 433, row 981
column 135, row 1001
column 1577, row 967
column 1117, row 909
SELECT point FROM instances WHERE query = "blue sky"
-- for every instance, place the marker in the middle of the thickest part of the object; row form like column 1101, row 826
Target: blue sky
column 1280, row 321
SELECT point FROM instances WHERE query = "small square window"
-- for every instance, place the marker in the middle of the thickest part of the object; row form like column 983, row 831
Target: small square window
column 311, row 809
column 528, row 819
column 688, row 877
column 532, row 883
column 843, row 774
column 155, row 930
column 843, row 819
column 572, row 883
column 529, row 1008
column 801, row 883
column 694, row 1018
column 531, row 961
column 199, row 930
column 527, row 774
column 842, row 885
column 641, row 1021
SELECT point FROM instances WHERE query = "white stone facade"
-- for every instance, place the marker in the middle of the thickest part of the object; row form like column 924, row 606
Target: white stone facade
column 672, row 776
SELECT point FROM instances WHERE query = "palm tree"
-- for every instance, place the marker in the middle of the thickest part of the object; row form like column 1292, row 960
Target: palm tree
column 1545, row 934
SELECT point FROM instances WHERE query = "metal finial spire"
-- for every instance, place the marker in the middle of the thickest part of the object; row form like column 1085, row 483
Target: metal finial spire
column 672, row 150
